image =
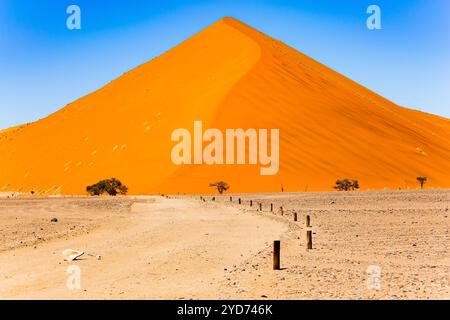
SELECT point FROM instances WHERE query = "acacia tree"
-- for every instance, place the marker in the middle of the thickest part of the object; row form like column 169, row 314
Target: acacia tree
column 221, row 186
column 346, row 185
column 422, row 181
column 111, row 186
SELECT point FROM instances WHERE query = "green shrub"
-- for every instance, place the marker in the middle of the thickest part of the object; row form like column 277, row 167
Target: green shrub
column 111, row 186
column 221, row 186
column 346, row 185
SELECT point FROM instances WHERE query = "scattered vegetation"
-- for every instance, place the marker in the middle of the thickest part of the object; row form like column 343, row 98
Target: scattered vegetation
column 221, row 186
column 422, row 180
column 346, row 185
column 111, row 186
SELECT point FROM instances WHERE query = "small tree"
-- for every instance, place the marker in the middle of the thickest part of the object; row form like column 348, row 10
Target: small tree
column 221, row 186
column 346, row 185
column 111, row 186
column 422, row 181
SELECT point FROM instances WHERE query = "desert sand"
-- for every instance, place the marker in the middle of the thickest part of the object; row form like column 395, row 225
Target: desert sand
column 228, row 76
column 184, row 248
column 154, row 249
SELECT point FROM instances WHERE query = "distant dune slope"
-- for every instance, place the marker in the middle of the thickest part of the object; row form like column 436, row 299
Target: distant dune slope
column 229, row 76
column 11, row 132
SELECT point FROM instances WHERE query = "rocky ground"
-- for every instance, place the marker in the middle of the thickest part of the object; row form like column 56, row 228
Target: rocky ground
column 184, row 247
column 405, row 234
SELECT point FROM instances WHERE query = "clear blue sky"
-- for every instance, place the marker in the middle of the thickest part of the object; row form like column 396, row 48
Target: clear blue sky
column 44, row 66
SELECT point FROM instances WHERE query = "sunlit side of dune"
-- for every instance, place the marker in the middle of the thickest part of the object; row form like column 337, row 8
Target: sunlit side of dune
column 228, row 76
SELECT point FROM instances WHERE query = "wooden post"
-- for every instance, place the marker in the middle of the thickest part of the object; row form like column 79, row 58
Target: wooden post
column 276, row 255
column 309, row 239
column 295, row 216
column 251, row 203
column 231, row 199
column 308, row 221
column 240, row 201
column 271, row 207
column 260, row 206
column 281, row 211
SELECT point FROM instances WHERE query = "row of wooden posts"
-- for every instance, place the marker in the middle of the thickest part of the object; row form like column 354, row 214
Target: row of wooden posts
column 281, row 210
column 277, row 243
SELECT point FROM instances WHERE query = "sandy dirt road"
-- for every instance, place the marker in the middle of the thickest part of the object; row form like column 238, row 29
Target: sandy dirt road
column 184, row 248
column 161, row 249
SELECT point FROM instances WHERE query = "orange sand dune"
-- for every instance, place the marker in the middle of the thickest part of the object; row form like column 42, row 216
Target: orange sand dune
column 10, row 132
column 228, row 76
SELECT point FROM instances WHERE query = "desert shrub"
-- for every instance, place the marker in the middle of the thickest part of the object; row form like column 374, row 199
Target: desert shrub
column 422, row 181
column 346, row 185
column 111, row 186
column 221, row 186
